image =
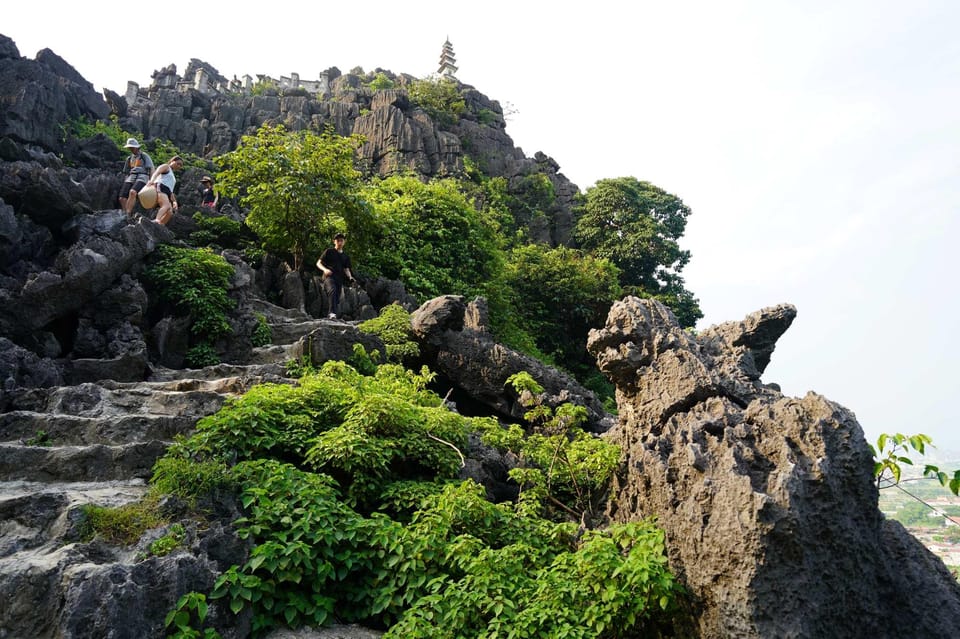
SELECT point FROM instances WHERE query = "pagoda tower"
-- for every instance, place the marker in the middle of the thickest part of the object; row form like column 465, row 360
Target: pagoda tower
column 448, row 61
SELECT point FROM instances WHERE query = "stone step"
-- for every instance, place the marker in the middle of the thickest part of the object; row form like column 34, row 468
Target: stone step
column 275, row 313
column 291, row 332
column 278, row 354
column 232, row 378
column 46, row 429
column 98, row 462
column 35, row 513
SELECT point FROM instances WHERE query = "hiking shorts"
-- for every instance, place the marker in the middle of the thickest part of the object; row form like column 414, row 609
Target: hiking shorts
column 133, row 182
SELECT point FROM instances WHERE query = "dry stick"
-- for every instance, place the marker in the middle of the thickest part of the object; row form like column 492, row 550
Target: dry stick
column 463, row 460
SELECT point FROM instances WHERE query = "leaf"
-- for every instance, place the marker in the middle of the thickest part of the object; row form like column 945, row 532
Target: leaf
column 882, row 442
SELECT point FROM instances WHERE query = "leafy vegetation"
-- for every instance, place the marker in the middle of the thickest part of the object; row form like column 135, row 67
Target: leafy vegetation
column 381, row 82
column 218, row 230
column 636, row 225
column 170, row 541
column 262, row 334
column 191, row 609
column 299, row 186
column 42, row 438
column 351, row 498
column 195, row 281
column 393, row 327
column 889, row 455
column 431, row 237
column 560, row 294
column 440, row 98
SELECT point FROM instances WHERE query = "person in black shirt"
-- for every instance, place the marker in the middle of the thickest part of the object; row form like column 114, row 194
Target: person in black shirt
column 335, row 265
column 208, row 197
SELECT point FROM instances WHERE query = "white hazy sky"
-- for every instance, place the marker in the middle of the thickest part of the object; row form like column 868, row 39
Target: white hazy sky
column 817, row 143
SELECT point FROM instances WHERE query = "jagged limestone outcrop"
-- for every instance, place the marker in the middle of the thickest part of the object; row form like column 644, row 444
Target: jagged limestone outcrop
column 399, row 135
column 455, row 344
column 768, row 502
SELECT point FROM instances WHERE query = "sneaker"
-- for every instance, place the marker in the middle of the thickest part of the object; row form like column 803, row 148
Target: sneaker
column 332, row 316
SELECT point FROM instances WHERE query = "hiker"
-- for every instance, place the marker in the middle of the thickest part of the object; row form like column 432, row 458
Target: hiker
column 165, row 181
column 137, row 167
column 208, row 197
column 335, row 265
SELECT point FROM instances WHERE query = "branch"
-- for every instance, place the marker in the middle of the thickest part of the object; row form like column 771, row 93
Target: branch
column 463, row 460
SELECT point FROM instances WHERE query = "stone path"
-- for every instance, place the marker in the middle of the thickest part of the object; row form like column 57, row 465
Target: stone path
column 96, row 443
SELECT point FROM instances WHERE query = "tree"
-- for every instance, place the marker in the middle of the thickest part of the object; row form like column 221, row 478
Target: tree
column 431, row 237
column 300, row 187
column 439, row 98
column 636, row 225
column 560, row 294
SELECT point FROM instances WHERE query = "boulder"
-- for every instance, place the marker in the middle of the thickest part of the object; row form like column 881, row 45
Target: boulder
column 478, row 367
column 768, row 502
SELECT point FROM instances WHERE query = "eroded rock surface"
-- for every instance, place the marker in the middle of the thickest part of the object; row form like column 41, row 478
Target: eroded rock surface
column 455, row 344
column 767, row 501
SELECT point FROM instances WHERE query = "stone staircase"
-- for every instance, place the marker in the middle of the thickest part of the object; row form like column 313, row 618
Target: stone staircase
column 96, row 443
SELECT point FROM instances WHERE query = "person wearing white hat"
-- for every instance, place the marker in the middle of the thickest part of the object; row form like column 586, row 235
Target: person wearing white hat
column 137, row 168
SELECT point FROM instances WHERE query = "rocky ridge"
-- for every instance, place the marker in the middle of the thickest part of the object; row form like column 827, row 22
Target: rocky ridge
column 766, row 500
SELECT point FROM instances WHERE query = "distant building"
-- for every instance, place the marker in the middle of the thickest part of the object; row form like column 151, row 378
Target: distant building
column 448, row 61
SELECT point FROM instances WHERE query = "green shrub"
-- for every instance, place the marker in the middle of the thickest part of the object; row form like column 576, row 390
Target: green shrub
column 381, row 82
column 201, row 355
column 393, row 327
column 216, row 229
column 352, row 503
column 262, row 334
column 440, row 98
column 195, row 281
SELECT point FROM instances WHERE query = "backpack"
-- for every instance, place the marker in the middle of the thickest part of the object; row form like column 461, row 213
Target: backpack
column 139, row 164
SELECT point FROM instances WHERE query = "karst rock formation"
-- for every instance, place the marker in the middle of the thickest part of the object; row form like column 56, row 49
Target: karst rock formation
column 768, row 502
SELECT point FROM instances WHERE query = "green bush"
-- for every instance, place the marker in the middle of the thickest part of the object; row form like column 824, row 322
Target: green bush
column 381, row 82
column 352, row 503
column 262, row 334
column 431, row 237
column 195, row 281
column 440, row 98
column 393, row 327
column 216, row 229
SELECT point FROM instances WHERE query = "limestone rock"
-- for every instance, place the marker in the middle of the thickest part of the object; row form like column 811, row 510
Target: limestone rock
column 768, row 502
column 471, row 361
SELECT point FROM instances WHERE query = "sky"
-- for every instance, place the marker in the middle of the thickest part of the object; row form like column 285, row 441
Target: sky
column 817, row 144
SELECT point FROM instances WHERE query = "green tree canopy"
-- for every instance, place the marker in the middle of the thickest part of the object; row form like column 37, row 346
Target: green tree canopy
column 431, row 237
column 636, row 225
column 300, row 187
column 440, row 98
column 560, row 294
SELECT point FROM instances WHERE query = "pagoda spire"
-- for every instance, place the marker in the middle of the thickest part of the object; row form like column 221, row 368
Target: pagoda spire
column 448, row 61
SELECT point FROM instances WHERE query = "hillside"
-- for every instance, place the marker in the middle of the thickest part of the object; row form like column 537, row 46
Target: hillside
column 182, row 426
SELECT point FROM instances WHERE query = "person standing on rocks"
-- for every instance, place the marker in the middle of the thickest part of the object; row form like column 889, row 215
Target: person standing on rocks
column 165, row 181
column 137, row 168
column 335, row 265
column 208, row 197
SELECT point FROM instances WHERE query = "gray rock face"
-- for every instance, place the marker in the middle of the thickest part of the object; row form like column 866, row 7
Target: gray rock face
column 474, row 363
column 767, row 501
